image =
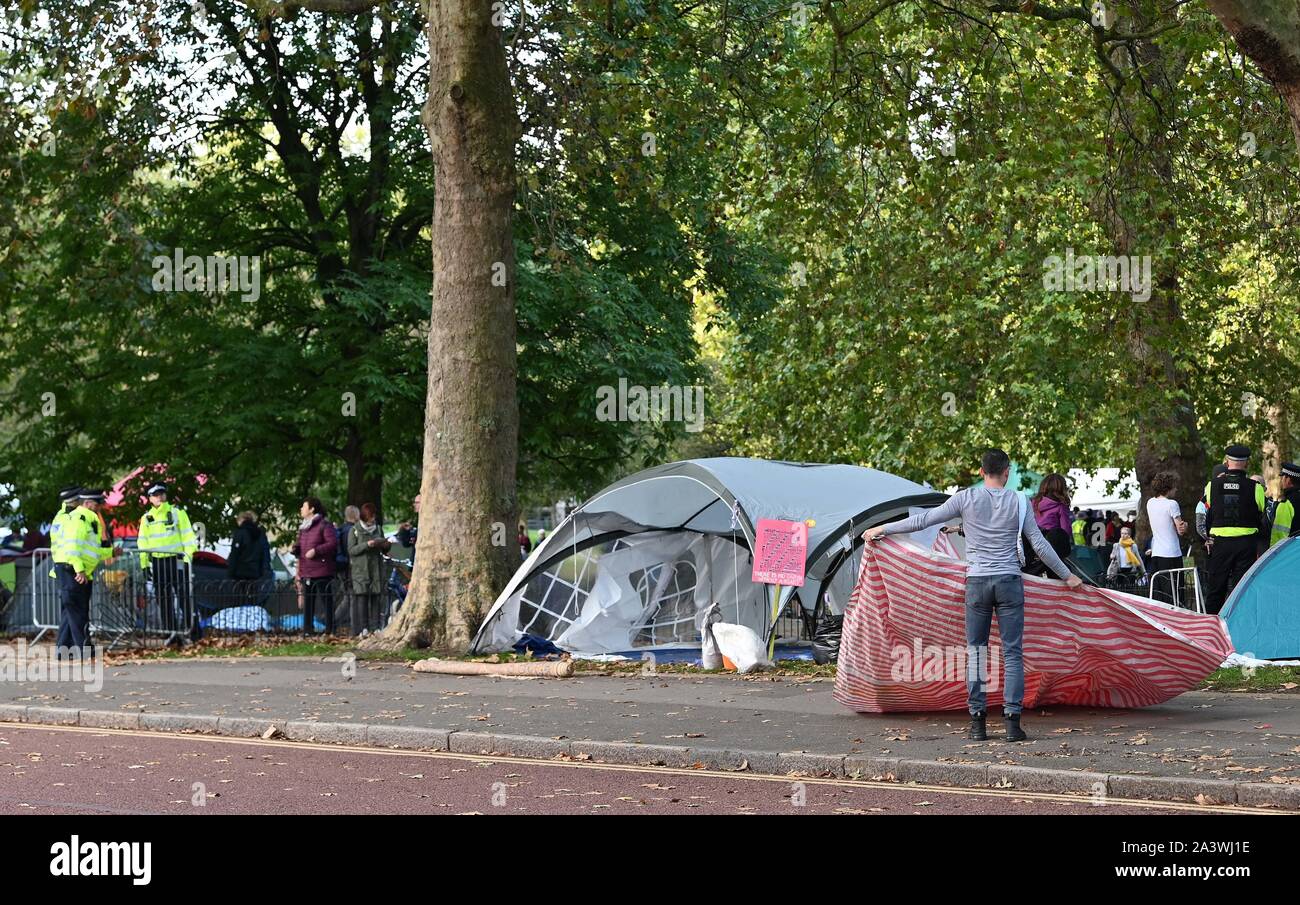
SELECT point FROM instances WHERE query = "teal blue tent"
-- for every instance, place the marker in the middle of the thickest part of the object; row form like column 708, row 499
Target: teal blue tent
column 1089, row 562
column 1263, row 613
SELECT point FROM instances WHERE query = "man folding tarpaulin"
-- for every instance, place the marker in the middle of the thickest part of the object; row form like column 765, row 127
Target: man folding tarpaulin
column 993, row 521
column 1082, row 646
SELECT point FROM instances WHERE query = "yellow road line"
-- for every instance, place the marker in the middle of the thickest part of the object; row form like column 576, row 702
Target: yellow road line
column 678, row 771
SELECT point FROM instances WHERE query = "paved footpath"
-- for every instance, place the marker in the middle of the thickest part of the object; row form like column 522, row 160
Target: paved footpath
column 1207, row 747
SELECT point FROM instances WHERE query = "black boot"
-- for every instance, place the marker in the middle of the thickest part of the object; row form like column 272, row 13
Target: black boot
column 1014, row 732
column 978, row 732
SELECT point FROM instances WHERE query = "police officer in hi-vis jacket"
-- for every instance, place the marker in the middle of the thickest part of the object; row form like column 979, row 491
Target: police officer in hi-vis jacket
column 84, row 544
column 167, row 545
column 1286, row 517
column 1235, row 507
column 61, row 529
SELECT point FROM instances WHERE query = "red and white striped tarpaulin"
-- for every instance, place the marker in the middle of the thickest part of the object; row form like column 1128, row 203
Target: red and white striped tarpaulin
column 905, row 623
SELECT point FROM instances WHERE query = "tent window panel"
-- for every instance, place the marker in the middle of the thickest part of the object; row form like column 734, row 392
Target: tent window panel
column 671, row 617
column 839, row 589
column 552, row 600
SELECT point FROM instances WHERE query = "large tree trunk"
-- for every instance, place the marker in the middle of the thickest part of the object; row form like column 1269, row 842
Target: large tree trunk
column 1168, row 438
column 365, row 467
column 1141, row 220
column 1167, row 435
column 464, row 552
column 1277, row 446
column 1268, row 32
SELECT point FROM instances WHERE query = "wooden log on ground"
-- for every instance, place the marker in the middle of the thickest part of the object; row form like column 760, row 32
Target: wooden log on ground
column 555, row 669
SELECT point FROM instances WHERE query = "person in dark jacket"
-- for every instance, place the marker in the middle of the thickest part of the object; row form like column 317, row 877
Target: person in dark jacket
column 250, row 551
column 408, row 532
column 366, row 543
column 316, row 547
column 351, row 514
column 1052, row 513
column 249, row 565
column 343, row 605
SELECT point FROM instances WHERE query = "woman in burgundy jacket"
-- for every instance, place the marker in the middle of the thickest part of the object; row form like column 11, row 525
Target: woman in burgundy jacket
column 317, row 544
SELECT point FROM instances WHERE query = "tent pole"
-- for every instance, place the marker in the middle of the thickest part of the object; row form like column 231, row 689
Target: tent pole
column 735, row 558
column 771, row 633
column 735, row 576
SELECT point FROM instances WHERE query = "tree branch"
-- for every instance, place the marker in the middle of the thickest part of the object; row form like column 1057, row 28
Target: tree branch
column 290, row 9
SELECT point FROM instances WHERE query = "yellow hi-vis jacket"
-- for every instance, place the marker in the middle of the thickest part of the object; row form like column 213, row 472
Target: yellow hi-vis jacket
column 1284, row 519
column 58, row 525
column 165, row 531
column 81, row 542
column 105, row 539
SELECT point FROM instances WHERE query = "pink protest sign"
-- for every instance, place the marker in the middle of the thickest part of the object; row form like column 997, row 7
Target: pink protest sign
column 782, row 550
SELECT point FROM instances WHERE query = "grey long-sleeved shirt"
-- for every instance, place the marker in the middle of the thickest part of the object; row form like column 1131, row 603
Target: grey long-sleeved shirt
column 988, row 518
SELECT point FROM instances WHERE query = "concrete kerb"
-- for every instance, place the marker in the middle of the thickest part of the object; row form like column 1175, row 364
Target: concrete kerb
column 1040, row 779
column 783, row 764
column 880, row 769
column 1269, row 795
column 179, row 722
column 247, row 727
column 52, row 716
column 109, row 719
column 471, row 743
column 533, row 746
column 942, row 773
column 722, row 760
column 1172, row 788
column 633, row 754
column 334, row 733
column 13, row 713
column 410, row 737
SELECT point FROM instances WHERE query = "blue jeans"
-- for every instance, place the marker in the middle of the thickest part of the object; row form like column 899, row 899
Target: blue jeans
column 1006, row 595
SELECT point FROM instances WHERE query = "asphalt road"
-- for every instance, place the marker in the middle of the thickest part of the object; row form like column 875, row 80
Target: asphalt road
column 89, row 771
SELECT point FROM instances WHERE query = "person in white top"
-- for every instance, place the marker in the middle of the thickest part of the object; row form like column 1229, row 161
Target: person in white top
column 1167, row 526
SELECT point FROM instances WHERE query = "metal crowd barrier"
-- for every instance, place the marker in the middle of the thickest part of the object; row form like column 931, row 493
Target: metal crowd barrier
column 1130, row 582
column 126, row 609
column 38, row 607
column 270, row 606
column 1176, row 582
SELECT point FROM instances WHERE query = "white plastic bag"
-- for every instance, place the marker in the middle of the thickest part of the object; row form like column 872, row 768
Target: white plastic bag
column 741, row 646
column 710, row 657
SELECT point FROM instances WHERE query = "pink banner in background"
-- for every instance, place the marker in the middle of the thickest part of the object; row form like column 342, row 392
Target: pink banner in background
column 782, row 552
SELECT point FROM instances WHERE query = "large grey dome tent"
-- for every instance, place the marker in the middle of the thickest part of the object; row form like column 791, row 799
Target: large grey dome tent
column 633, row 568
